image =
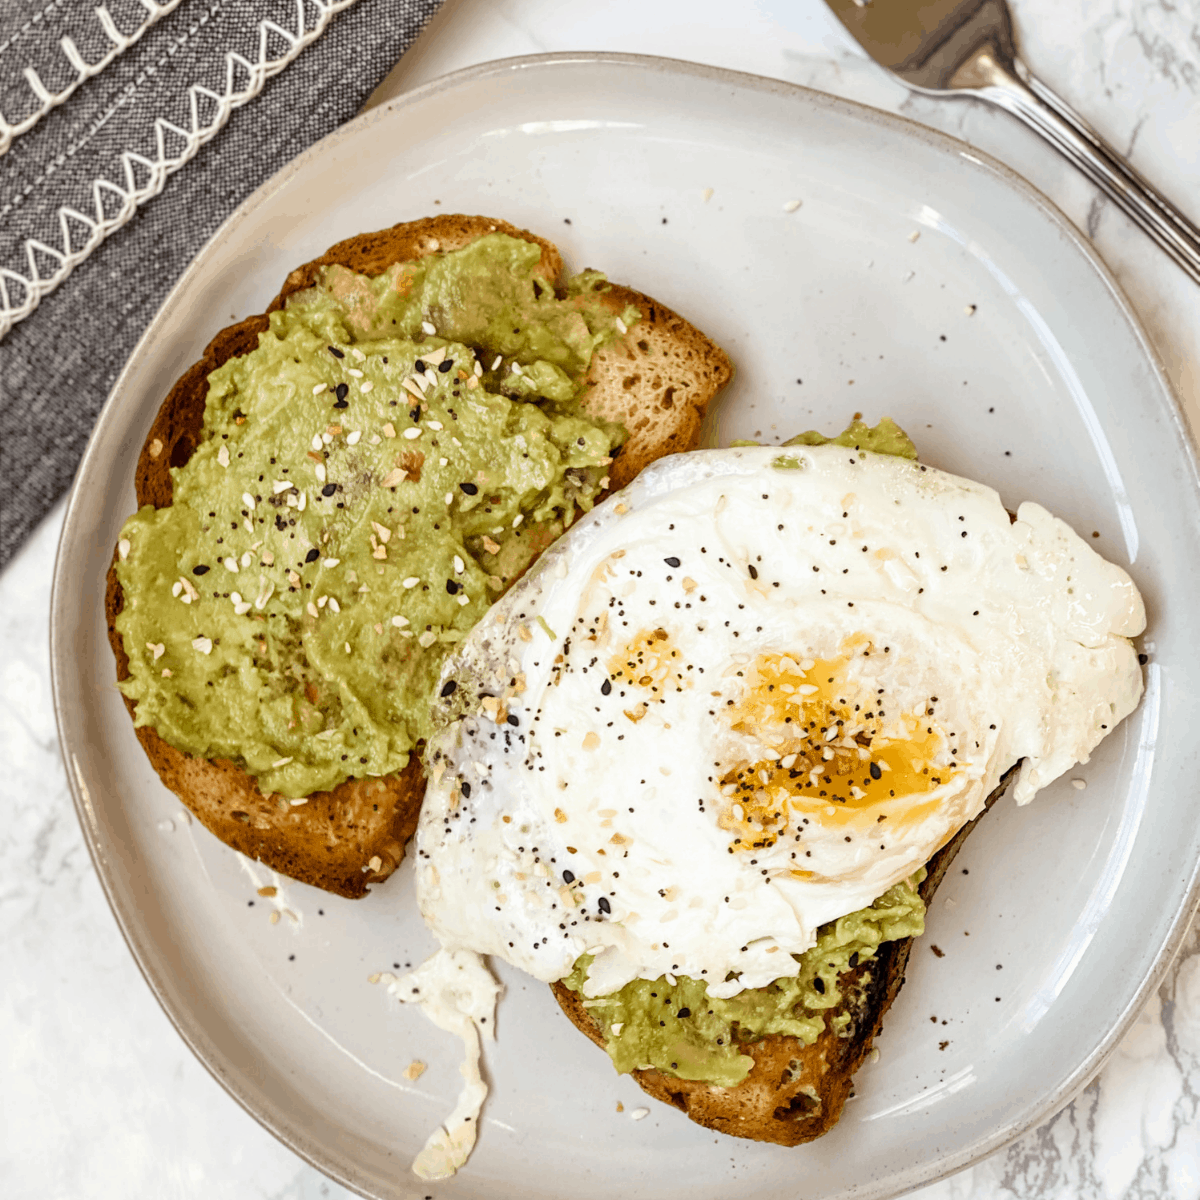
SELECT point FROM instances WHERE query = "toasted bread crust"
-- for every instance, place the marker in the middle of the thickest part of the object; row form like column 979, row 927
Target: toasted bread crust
column 795, row 1092
column 656, row 381
column 348, row 838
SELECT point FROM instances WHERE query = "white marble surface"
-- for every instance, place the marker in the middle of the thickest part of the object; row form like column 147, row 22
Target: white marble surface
column 101, row 1098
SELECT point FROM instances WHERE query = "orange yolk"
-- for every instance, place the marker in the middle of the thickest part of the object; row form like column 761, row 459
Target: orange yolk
column 833, row 761
column 649, row 661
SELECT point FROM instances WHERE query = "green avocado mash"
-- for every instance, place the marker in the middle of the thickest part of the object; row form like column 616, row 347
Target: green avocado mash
column 885, row 438
column 679, row 1029
column 389, row 458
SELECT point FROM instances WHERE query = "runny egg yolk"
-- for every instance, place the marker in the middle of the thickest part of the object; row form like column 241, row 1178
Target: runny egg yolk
column 649, row 661
column 837, row 754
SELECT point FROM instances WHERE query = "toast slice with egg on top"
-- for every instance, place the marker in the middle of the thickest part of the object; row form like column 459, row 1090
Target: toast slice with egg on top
column 656, row 380
column 795, row 1092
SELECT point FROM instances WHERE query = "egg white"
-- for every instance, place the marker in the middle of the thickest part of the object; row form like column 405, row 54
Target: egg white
column 745, row 697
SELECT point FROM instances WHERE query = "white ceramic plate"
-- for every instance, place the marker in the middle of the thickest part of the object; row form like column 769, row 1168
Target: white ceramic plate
column 1049, row 391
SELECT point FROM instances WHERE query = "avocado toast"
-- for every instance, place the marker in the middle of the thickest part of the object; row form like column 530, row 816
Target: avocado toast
column 279, row 643
column 795, row 1092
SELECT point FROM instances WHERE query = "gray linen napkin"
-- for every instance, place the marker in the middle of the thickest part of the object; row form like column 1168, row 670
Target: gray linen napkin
column 58, row 363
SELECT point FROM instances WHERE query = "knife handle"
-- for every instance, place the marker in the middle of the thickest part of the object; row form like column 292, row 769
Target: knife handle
column 1019, row 93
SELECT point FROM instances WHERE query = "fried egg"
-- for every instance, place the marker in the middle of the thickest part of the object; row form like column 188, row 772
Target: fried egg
column 745, row 697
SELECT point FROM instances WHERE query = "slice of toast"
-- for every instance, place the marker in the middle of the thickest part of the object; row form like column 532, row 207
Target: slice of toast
column 795, row 1092
column 657, row 380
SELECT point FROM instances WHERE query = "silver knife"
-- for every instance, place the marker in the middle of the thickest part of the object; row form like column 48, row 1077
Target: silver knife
column 966, row 48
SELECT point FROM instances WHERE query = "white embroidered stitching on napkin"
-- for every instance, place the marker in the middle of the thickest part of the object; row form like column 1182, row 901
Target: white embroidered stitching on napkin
column 154, row 172
column 83, row 70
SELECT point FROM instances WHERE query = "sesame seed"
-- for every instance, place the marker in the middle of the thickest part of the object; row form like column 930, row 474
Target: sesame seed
column 622, row 328
column 353, row 436
column 426, row 327
column 318, row 389
column 202, row 644
column 413, row 433
column 790, row 206
column 496, row 362
column 412, row 581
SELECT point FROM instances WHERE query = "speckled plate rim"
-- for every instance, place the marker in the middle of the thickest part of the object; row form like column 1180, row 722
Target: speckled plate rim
column 278, row 1122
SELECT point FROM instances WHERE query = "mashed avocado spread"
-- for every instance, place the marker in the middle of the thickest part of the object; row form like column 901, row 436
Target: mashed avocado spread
column 395, row 451
column 884, row 438
column 678, row 1028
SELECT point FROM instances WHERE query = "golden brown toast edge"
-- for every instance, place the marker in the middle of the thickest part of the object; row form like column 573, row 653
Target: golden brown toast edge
column 348, row 838
column 794, row 1093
